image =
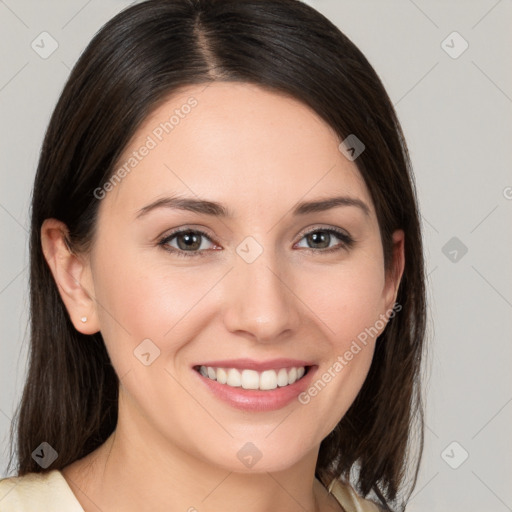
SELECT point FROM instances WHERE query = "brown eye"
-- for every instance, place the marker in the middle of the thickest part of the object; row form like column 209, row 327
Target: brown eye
column 321, row 240
column 189, row 242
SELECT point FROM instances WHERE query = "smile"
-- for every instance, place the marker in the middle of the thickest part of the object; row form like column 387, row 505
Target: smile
column 266, row 380
column 256, row 386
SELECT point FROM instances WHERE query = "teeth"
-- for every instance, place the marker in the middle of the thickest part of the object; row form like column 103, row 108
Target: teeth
column 222, row 375
column 251, row 379
column 282, row 377
column 234, row 378
column 268, row 380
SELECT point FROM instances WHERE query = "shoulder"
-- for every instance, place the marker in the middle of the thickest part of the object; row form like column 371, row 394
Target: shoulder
column 37, row 492
column 349, row 500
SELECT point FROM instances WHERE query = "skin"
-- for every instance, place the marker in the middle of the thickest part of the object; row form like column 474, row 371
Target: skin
column 175, row 446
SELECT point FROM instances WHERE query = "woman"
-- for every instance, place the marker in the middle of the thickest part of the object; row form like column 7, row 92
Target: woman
column 227, row 283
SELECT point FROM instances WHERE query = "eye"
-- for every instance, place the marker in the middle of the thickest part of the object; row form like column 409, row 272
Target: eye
column 319, row 240
column 189, row 242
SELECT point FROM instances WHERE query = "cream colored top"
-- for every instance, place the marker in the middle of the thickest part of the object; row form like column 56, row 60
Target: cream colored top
column 50, row 492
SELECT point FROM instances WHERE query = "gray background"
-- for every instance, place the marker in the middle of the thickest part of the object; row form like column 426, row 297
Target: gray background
column 456, row 113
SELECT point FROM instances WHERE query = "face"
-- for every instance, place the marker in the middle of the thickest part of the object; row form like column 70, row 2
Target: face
column 256, row 323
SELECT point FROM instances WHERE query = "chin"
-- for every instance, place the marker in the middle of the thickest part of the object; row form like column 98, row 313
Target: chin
column 261, row 454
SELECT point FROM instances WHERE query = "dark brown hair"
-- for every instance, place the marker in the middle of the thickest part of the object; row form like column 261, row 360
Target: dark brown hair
column 136, row 61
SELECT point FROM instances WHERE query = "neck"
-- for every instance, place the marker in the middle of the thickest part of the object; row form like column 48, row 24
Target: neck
column 136, row 469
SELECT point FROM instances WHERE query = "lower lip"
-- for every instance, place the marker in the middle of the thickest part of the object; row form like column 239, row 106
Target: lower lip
column 257, row 400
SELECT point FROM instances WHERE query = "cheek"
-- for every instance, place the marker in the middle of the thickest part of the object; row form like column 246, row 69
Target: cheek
column 348, row 301
column 347, row 298
column 138, row 301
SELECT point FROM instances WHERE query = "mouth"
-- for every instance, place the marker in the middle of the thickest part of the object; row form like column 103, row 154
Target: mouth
column 266, row 380
column 256, row 387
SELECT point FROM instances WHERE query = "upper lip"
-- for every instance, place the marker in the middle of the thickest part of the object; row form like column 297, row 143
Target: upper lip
column 259, row 366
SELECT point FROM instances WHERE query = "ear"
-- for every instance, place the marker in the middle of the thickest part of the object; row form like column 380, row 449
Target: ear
column 396, row 269
column 72, row 276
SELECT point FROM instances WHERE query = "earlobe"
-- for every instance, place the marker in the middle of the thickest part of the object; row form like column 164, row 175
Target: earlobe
column 71, row 274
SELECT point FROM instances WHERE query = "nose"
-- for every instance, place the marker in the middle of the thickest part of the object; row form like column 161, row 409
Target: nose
column 259, row 300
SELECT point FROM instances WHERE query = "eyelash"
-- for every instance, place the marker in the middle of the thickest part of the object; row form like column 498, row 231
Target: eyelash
column 346, row 241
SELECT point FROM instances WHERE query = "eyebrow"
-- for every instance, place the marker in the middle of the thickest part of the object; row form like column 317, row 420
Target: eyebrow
column 218, row 210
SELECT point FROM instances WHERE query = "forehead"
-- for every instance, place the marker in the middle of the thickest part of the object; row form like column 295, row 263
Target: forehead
column 236, row 143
